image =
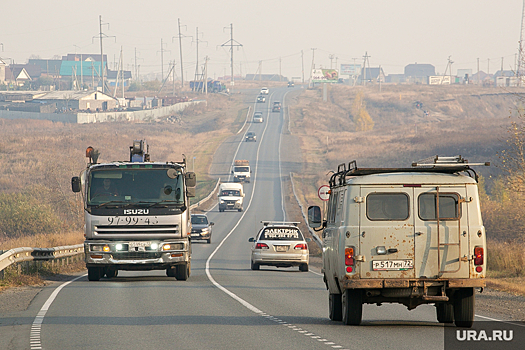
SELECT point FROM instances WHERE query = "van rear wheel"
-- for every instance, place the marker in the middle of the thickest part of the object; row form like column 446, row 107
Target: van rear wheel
column 352, row 306
column 445, row 313
column 335, row 308
column 464, row 307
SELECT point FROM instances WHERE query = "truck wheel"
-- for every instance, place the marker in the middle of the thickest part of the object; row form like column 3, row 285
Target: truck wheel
column 445, row 313
column 464, row 307
column 303, row 267
column 240, row 209
column 94, row 273
column 110, row 273
column 254, row 266
column 208, row 240
column 170, row 272
column 352, row 301
column 335, row 308
column 182, row 271
column 221, row 210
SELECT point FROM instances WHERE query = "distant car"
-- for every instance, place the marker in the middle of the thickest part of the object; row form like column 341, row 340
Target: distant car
column 257, row 117
column 280, row 244
column 201, row 227
column 261, row 98
column 250, row 136
column 276, row 107
column 291, row 84
column 265, row 91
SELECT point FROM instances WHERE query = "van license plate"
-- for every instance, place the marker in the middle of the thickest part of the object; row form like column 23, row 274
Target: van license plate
column 385, row 265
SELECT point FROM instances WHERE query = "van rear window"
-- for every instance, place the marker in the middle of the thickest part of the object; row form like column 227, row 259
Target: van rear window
column 448, row 206
column 387, row 206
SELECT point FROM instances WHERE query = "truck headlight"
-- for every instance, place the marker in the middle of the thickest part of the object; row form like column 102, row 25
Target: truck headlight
column 154, row 246
column 100, row 248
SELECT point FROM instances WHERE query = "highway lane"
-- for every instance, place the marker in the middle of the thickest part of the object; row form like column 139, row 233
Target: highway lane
column 271, row 308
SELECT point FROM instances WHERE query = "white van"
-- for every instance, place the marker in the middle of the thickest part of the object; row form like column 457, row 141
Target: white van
column 403, row 235
column 231, row 196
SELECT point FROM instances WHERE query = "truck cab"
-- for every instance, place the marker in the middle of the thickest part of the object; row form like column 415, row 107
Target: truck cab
column 136, row 214
column 403, row 235
column 241, row 171
column 231, row 196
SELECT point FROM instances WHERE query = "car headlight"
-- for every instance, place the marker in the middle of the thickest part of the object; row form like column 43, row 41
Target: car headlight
column 222, row 201
column 239, row 201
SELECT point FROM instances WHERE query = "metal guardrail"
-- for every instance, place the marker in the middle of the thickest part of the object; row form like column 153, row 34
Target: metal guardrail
column 305, row 217
column 17, row 255
column 193, row 206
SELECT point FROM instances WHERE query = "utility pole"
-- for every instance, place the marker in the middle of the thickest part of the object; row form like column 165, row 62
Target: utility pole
column 365, row 57
column 101, row 36
column 313, row 67
column 180, row 50
column 302, row 64
column 231, row 43
column 331, row 57
column 197, row 61
column 520, row 48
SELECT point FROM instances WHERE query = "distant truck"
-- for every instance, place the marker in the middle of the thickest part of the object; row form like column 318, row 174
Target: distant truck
column 241, row 171
column 231, row 196
column 212, row 86
column 137, row 214
column 276, row 107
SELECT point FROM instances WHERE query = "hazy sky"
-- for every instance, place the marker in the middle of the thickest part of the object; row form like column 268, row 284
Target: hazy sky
column 394, row 33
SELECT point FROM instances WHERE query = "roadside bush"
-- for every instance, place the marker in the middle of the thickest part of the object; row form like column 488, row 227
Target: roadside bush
column 24, row 215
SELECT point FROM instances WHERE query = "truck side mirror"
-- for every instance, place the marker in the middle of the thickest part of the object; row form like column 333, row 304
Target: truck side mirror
column 190, row 191
column 191, row 179
column 232, row 171
column 75, row 184
column 314, row 216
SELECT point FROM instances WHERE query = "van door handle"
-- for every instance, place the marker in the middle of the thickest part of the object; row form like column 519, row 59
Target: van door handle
column 419, row 233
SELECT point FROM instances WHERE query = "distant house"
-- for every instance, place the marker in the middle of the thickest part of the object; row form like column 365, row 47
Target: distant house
column 17, row 76
column 47, row 67
column 419, row 73
column 79, row 100
column 34, row 71
column 113, row 76
column 372, row 74
column 395, row 78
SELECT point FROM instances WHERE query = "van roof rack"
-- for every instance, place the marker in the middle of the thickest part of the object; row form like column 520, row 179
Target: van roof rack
column 437, row 164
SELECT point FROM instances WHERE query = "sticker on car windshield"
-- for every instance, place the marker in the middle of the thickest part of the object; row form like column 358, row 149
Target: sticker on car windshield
column 281, row 233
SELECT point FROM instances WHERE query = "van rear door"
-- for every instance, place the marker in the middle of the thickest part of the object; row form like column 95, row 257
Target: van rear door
column 441, row 224
column 386, row 232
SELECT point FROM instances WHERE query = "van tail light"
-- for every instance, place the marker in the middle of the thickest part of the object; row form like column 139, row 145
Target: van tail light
column 349, row 256
column 301, row 246
column 478, row 256
column 261, row 246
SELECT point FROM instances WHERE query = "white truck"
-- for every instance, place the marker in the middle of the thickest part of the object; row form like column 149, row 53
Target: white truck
column 231, row 196
column 403, row 235
column 241, row 170
column 137, row 214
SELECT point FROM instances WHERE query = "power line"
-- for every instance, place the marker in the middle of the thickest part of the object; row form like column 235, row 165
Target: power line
column 231, row 43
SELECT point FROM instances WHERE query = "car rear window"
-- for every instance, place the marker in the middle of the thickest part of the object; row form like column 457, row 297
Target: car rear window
column 282, row 234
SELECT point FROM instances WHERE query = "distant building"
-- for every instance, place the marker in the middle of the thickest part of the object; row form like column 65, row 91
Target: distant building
column 2, row 71
column 47, row 67
column 34, row 71
column 79, row 100
column 419, row 73
column 372, row 74
column 113, row 76
column 17, row 76
column 395, row 78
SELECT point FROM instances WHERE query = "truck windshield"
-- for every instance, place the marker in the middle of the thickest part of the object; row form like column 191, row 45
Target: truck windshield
column 134, row 186
column 241, row 169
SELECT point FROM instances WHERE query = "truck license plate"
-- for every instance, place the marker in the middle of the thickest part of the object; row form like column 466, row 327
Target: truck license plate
column 133, row 245
column 392, row 265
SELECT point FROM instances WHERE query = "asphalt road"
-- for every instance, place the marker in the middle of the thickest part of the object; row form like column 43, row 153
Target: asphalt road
column 224, row 304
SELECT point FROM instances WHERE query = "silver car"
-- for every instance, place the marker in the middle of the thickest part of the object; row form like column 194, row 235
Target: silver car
column 280, row 244
column 201, row 227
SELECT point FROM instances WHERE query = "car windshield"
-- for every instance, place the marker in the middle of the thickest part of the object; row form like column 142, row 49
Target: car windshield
column 281, row 234
column 232, row 193
column 199, row 220
column 134, row 186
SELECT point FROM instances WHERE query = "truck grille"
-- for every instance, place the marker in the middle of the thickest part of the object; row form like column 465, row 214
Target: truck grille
column 137, row 229
column 136, row 255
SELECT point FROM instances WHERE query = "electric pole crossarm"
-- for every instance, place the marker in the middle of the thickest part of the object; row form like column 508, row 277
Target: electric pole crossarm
column 231, row 43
